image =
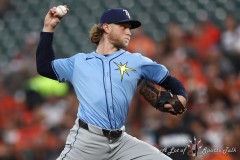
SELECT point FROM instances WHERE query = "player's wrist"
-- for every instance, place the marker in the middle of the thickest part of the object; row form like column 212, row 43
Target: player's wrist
column 48, row 29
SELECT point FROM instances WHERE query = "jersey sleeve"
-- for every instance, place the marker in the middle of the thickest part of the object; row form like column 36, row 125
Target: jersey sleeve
column 63, row 69
column 153, row 71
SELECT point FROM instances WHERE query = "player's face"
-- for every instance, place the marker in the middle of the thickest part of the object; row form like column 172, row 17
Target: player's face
column 120, row 35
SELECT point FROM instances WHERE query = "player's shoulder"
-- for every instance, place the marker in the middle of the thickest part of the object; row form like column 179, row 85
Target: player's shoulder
column 137, row 55
column 134, row 54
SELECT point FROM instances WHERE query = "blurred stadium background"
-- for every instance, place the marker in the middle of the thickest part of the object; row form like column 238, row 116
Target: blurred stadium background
column 197, row 40
column 26, row 16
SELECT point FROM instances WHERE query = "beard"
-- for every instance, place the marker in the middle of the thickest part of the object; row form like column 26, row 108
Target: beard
column 117, row 41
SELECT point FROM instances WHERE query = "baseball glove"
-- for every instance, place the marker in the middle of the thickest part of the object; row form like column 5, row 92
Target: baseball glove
column 158, row 98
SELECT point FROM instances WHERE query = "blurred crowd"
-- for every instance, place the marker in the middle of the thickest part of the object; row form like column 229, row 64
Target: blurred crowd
column 206, row 59
column 35, row 116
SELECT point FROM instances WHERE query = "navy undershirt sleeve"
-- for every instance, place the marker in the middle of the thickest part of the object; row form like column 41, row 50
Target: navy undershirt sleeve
column 173, row 84
column 45, row 55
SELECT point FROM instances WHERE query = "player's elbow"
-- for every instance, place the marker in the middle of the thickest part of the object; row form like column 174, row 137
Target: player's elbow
column 40, row 70
column 46, row 70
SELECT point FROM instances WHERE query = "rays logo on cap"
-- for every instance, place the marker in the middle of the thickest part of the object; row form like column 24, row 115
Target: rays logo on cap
column 118, row 15
column 124, row 10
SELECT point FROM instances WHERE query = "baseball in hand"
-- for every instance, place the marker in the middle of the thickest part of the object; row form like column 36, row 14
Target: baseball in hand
column 61, row 10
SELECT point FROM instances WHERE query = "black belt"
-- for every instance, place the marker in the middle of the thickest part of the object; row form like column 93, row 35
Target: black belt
column 115, row 134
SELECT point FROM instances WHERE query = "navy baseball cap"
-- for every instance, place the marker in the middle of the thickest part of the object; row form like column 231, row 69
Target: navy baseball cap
column 118, row 15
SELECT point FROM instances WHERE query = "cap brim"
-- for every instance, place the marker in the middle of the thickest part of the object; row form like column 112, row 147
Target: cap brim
column 134, row 24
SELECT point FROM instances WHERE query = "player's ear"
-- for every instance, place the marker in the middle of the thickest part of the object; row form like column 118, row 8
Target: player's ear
column 106, row 27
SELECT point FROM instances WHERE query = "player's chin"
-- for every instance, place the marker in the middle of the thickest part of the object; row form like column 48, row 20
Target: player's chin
column 125, row 43
column 122, row 45
column 125, row 46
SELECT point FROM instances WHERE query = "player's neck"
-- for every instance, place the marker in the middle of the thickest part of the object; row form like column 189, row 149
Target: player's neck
column 106, row 49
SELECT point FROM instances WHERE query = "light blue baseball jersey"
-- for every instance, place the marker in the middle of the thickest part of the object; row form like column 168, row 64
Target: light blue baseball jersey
column 105, row 85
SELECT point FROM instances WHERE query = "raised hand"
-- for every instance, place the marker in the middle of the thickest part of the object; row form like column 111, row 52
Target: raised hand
column 52, row 19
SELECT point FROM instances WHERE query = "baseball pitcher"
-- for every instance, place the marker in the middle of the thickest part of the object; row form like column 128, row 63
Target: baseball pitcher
column 105, row 81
